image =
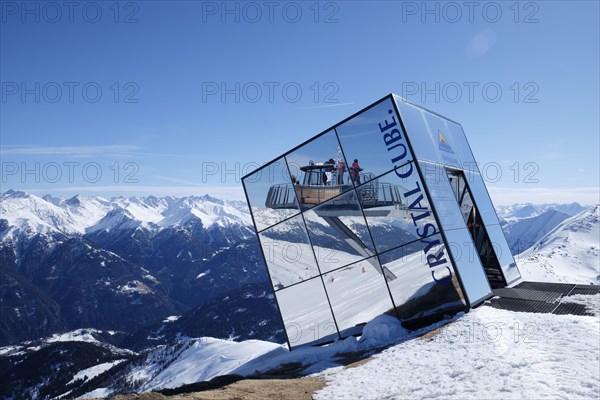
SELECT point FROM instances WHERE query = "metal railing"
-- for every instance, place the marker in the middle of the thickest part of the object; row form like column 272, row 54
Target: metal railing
column 379, row 194
column 281, row 196
column 372, row 194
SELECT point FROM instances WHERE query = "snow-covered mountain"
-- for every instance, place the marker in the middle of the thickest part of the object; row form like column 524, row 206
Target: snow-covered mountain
column 524, row 233
column 29, row 214
column 117, row 264
column 525, row 224
column 519, row 211
column 569, row 253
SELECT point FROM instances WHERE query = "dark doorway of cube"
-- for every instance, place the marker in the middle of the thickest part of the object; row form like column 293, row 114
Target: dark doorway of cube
column 483, row 245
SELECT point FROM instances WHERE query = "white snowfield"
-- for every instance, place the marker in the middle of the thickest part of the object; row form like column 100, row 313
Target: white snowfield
column 207, row 358
column 569, row 253
column 78, row 335
column 489, row 353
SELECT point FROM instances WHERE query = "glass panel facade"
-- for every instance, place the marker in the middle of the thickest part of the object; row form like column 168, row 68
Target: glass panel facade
column 345, row 243
column 430, row 135
column 412, row 218
column 270, row 194
column 288, row 253
column 482, row 199
column 420, row 137
column 358, row 294
column 442, row 196
column 468, row 265
column 375, row 140
column 426, row 282
column 442, row 139
column 319, row 170
column 306, row 313
column 456, row 136
column 338, row 232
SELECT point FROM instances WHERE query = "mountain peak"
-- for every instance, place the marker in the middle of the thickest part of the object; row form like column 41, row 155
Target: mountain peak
column 14, row 194
column 212, row 199
column 74, row 201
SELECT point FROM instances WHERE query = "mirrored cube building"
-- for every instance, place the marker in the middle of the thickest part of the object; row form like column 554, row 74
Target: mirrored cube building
column 384, row 213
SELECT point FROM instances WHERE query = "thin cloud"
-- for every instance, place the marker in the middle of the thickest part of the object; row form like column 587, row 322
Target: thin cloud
column 65, row 150
column 79, row 151
column 222, row 192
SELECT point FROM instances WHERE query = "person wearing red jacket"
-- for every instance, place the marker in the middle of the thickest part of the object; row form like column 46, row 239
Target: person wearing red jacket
column 355, row 172
column 340, row 172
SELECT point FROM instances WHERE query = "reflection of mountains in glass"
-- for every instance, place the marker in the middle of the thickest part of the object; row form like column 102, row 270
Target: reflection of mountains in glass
column 321, row 184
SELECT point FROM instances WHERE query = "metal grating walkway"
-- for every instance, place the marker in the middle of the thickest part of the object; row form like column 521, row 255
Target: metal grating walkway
column 547, row 286
column 527, row 294
column 579, row 289
column 571, row 308
column 542, row 297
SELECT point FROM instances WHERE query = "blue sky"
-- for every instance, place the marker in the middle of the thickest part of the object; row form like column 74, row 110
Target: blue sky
column 181, row 98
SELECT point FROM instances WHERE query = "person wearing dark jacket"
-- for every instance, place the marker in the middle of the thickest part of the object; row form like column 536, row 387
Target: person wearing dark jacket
column 355, row 172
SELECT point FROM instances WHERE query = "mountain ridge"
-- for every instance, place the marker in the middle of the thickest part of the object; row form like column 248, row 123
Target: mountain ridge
column 568, row 253
column 30, row 214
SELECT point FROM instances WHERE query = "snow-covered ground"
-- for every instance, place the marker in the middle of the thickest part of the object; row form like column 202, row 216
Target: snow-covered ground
column 486, row 353
column 489, row 353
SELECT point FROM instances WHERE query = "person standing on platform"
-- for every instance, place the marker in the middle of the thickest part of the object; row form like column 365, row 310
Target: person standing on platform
column 355, row 172
column 340, row 172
